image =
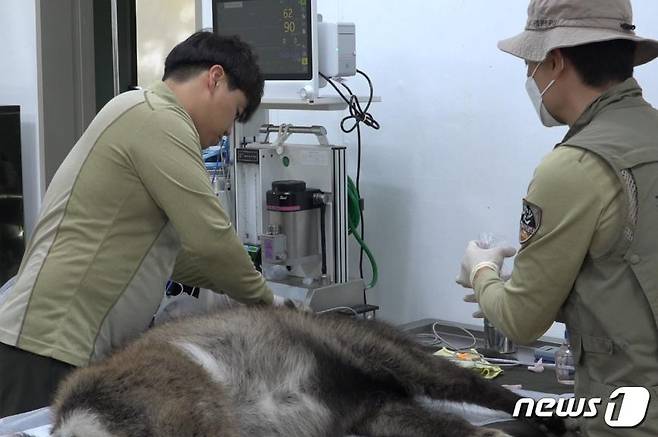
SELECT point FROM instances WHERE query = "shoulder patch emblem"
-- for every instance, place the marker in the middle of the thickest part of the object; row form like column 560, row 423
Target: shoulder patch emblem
column 530, row 221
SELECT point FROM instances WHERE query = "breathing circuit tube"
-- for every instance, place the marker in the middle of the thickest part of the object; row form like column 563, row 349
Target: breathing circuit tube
column 353, row 220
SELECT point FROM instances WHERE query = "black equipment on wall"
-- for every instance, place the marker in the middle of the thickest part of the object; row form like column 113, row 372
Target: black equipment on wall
column 12, row 244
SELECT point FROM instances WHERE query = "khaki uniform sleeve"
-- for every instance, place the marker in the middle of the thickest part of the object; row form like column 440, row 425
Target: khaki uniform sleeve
column 170, row 166
column 188, row 271
column 572, row 188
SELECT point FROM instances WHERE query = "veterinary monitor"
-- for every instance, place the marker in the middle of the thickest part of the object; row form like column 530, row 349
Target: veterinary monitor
column 283, row 33
column 280, row 32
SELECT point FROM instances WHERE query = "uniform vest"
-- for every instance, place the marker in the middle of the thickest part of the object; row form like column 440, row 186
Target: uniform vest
column 612, row 311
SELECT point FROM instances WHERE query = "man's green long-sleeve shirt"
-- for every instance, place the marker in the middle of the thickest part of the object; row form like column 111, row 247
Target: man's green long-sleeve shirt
column 131, row 197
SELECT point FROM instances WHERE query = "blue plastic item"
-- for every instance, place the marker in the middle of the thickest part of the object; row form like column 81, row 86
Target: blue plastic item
column 218, row 156
column 212, row 159
column 546, row 353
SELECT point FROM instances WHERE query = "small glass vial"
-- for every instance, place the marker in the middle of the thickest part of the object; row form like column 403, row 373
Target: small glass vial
column 565, row 363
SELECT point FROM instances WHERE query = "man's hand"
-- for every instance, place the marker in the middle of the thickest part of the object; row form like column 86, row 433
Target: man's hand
column 476, row 258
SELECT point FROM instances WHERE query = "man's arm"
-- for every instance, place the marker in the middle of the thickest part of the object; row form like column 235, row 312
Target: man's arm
column 188, row 271
column 567, row 199
column 172, row 171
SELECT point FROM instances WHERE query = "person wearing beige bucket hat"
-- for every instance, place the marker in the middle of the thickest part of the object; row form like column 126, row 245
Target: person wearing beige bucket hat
column 588, row 234
column 568, row 23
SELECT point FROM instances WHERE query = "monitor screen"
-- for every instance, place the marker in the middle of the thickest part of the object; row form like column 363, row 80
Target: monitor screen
column 279, row 31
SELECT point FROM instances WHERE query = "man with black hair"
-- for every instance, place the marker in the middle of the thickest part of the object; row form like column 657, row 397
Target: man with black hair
column 130, row 207
column 588, row 234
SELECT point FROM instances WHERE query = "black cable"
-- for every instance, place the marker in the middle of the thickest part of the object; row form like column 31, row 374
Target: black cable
column 358, row 190
column 323, row 237
column 359, row 115
column 357, row 112
column 357, row 124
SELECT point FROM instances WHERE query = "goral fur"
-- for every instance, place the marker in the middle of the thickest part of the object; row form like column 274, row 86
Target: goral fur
column 272, row 372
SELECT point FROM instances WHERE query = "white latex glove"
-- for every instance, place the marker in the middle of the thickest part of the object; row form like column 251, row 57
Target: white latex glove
column 280, row 301
column 476, row 258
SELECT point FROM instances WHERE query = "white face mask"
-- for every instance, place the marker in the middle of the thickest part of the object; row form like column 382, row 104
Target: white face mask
column 536, row 97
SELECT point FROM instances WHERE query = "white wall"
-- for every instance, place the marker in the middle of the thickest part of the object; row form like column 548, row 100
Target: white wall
column 458, row 144
column 153, row 45
column 18, row 86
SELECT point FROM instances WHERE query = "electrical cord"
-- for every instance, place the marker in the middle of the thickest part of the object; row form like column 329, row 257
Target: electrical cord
column 359, row 115
column 334, row 309
column 215, row 170
column 435, row 339
column 323, row 238
column 222, row 157
column 357, row 112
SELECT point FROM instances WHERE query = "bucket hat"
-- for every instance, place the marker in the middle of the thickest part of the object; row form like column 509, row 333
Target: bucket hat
column 567, row 23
